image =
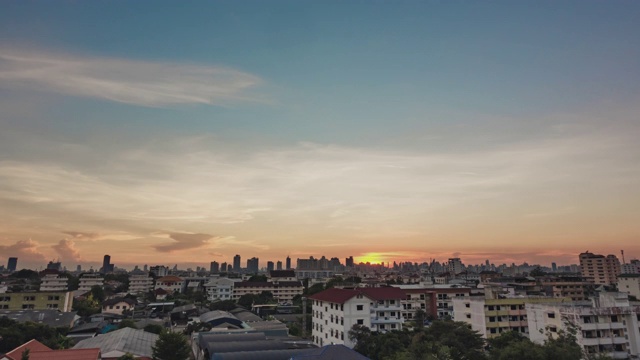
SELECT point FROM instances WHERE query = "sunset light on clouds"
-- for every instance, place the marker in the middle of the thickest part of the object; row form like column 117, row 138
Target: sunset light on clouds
column 387, row 132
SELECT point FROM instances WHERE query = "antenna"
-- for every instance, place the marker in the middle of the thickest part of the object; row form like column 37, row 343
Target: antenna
column 622, row 252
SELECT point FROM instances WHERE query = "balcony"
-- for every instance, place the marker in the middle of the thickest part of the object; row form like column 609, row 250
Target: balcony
column 391, row 307
column 387, row 320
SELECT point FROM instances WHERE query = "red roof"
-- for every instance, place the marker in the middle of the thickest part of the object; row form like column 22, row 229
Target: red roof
column 33, row 346
column 340, row 296
column 169, row 278
column 384, row 293
column 68, row 354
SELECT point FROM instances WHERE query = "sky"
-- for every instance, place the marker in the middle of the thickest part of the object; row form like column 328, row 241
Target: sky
column 170, row 132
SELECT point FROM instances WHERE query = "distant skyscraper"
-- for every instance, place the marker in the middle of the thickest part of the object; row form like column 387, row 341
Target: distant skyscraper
column 279, row 265
column 79, row 268
column 215, row 267
column 349, row 261
column 599, row 268
column 270, row 266
column 223, row 267
column 146, row 268
column 554, row 267
column 288, row 263
column 12, row 264
column 236, row 263
column 253, row 265
column 106, row 264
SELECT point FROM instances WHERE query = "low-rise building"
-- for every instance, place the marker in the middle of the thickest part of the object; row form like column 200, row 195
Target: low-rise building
column 281, row 290
column 117, row 305
column 87, row 281
column 607, row 325
column 171, row 284
column 219, row 289
column 140, row 284
column 61, row 301
column 53, row 282
column 136, row 342
column 336, row 311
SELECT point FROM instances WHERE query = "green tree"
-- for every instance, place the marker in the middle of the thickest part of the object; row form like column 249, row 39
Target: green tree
column 127, row 323
column 127, row 356
column 247, row 300
column 224, row 305
column 563, row 346
column 258, row 278
column 514, row 345
column 537, row 272
column 171, row 346
column 419, row 317
column 315, row 288
column 98, row 293
column 154, row 328
column 25, row 354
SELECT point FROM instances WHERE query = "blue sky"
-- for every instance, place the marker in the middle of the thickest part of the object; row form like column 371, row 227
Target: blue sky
column 299, row 109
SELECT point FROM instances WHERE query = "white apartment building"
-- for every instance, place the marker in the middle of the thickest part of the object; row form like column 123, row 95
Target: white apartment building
column 219, row 289
column 435, row 299
column 335, row 311
column 496, row 313
column 140, row 284
column 87, row 281
column 630, row 283
column 52, row 282
column 283, row 291
column 633, row 267
column 171, row 284
column 607, row 325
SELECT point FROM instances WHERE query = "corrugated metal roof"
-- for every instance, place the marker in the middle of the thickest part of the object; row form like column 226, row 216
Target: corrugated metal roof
column 135, row 341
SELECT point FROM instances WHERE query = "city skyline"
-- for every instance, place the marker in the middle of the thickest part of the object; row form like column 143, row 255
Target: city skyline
column 402, row 131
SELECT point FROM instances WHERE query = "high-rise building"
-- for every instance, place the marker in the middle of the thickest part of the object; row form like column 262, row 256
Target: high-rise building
column 270, row 266
column 349, row 261
column 12, row 264
column 279, row 265
column 236, row 263
column 107, row 267
column 215, row 267
column 455, row 266
column 252, row 265
column 223, row 267
column 599, row 268
column 288, row 263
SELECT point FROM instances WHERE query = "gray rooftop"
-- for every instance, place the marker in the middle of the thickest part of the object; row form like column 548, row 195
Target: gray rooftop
column 330, row 352
column 260, row 355
column 117, row 343
column 53, row 318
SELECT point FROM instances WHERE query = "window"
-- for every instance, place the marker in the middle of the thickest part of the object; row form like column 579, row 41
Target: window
column 28, row 306
column 491, row 308
column 359, row 307
column 360, row 321
column 551, row 315
column 29, row 298
column 467, row 305
column 5, row 298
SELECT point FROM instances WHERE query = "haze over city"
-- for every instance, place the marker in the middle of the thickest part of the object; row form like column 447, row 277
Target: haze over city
column 183, row 133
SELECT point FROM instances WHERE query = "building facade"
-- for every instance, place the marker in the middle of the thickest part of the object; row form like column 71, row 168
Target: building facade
column 336, row 311
column 171, row 284
column 600, row 269
column 608, row 325
column 140, row 284
column 87, row 281
column 283, row 291
column 52, row 282
column 61, row 301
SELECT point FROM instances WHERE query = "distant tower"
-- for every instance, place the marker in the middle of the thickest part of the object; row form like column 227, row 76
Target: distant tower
column 106, row 264
column 236, row 263
column 223, row 267
column 288, row 263
column 215, row 267
column 253, row 265
column 279, row 265
column 270, row 266
column 12, row 265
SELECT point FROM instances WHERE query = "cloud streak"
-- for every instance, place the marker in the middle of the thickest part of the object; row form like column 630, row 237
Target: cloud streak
column 183, row 241
column 67, row 251
column 136, row 82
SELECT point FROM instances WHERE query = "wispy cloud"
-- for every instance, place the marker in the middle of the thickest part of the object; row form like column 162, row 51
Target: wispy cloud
column 138, row 82
column 183, row 241
column 27, row 251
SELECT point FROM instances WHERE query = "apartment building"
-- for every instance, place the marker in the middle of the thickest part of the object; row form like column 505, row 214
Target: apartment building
column 600, row 269
column 607, row 325
column 336, row 311
column 61, row 301
column 87, row 281
column 140, row 284
column 492, row 315
column 53, row 282
column 436, row 299
column 283, row 291
column 630, row 283
column 573, row 288
column 171, row 284
column 219, row 289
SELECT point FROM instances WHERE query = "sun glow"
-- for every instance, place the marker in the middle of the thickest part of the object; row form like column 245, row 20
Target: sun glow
column 372, row 258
